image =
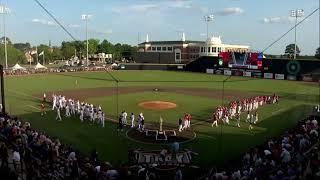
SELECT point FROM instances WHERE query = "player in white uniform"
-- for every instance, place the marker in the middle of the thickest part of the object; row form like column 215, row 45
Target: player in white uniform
column 67, row 110
column 54, row 101
column 73, row 111
column 132, row 120
column 103, row 119
column 58, row 114
column 78, row 106
column 81, row 113
column 248, row 117
column 255, row 118
column 124, row 115
column 238, row 119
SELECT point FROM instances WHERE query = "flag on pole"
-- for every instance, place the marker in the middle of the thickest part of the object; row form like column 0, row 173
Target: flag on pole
column 33, row 51
column 42, row 53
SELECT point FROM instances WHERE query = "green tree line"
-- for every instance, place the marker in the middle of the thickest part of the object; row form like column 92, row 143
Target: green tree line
column 67, row 49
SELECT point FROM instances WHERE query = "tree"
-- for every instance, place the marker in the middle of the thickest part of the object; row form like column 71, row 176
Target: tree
column 56, row 53
column 24, row 47
column 7, row 39
column 105, row 47
column 67, row 50
column 318, row 53
column 14, row 55
column 290, row 50
column 93, row 46
column 128, row 51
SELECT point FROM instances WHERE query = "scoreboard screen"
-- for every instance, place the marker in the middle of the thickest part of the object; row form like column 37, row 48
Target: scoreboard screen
column 241, row 60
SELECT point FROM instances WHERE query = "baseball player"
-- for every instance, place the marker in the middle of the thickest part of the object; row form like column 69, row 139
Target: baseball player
column 189, row 117
column 255, row 118
column 68, row 110
column 132, row 120
column 180, row 124
column 103, row 119
column 42, row 109
column 44, row 97
column 58, row 114
column 81, row 113
column 248, row 117
column 124, row 118
column 73, row 110
column 238, row 119
column 214, row 119
column 54, row 101
column 251, row 122
column 185, row 120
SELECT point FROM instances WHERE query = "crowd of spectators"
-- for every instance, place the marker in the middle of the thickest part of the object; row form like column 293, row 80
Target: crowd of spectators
column 35, row 155
column 55, row 70
column 294, row 155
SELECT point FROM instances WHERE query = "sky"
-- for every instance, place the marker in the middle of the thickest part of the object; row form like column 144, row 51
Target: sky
column 250, row 22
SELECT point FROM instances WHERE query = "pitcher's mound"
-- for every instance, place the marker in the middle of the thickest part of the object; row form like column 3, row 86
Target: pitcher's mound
column 157, row 105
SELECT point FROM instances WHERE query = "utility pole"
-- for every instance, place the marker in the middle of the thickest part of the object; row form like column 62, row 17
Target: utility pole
column 208, row 19
column 86, row 17
column 296, row 13
column 4, row 11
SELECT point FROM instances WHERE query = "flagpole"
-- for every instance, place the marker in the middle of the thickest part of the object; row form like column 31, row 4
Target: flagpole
column 37, row 54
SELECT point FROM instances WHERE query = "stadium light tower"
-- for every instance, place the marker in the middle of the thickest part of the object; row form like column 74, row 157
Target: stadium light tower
column 207, row 19
column 86, row 17
column 4, row 11
column 296, row 14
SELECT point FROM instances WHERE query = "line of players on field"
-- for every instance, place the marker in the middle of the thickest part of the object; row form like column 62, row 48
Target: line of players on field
column 73, row 107
column 224, row 114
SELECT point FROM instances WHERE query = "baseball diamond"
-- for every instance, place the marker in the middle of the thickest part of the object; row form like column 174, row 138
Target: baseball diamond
column 196, row 94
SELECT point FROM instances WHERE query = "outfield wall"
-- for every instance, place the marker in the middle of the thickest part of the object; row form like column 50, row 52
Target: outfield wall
column 305, row 70
column 149, row 66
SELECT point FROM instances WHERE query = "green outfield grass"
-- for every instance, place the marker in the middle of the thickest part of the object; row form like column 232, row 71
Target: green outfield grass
column 296, row 101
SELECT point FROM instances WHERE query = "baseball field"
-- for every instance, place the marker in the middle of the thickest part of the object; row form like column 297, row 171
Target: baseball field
column 194, row 93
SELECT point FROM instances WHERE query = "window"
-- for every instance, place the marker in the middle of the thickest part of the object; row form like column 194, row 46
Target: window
column 164, row 48
column 169, row 48
column 158, row 48
column 214, row 49
column 209, row 49
column 201, row 49
column 219, row 49
column 178, row 55
column 153, row 48
column 149, row 49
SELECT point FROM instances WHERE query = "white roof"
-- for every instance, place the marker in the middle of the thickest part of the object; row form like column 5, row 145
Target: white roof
column 40, row 66
column 214, row 40
column 18, row 67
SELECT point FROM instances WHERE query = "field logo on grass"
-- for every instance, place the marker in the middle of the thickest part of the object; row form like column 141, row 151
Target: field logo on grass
column 164, row 161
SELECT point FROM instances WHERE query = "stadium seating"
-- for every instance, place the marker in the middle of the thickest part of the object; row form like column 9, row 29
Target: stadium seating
column 43, row 157
column 294, row 155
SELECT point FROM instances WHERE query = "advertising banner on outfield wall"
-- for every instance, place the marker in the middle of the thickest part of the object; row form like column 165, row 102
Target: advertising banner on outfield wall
column 218, row 72
column 291, row 77
column 247, row 74
column 268, row 75
column 209, row 71
column 279, row 76
column 227, row 72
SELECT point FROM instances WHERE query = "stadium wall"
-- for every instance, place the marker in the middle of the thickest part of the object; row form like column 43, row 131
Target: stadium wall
column 272, row 68
column 148, row 66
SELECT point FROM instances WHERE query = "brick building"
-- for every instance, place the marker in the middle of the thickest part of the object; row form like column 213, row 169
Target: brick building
column 183, row 51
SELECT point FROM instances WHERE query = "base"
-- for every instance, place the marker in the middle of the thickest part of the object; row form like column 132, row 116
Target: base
column 161, row 136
